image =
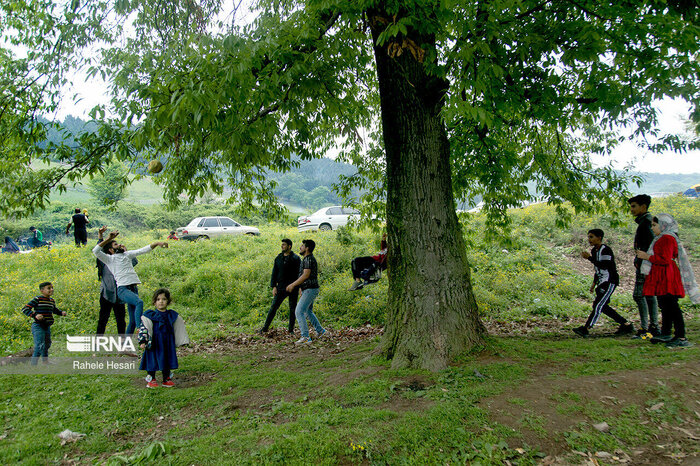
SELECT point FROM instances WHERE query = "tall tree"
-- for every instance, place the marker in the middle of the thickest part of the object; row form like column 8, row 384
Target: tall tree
column 109, row 188
column 470, row 97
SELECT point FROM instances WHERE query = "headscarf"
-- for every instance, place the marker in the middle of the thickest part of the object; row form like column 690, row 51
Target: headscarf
column 669, row 226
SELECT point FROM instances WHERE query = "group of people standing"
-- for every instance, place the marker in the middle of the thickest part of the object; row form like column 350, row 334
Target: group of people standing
column 296, row 277
column 663, row 275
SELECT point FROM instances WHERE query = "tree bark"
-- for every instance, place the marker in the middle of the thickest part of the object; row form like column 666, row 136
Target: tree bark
column 432, row 313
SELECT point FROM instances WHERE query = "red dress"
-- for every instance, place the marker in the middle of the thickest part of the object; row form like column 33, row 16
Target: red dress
column 664, row 278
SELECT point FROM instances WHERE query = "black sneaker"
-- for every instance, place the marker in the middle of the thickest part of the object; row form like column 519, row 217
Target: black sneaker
column 581, row 331
column 654, row 330
column 625, row 329
column 662, row 339
column 640, row 334
column 679, row 343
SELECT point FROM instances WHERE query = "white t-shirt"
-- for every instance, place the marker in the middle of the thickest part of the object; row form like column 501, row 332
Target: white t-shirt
column 120, row 264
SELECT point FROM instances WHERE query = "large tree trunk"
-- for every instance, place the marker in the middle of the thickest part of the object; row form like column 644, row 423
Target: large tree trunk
column 432, row 313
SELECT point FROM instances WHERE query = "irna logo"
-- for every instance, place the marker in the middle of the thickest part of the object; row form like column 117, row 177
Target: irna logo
column 100, row 343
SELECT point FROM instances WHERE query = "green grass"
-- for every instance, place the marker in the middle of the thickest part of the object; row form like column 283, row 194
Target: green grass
column 274, row 404
column 248, row 410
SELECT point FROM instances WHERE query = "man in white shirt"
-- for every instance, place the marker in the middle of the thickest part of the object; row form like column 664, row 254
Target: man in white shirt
column 118, row 260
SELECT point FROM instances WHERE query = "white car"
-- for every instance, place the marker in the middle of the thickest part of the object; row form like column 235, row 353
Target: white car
column 328, row 218
column 210, row 227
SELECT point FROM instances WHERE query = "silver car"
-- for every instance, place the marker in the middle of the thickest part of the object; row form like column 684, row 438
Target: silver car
column 328, row 218
column 210, row 227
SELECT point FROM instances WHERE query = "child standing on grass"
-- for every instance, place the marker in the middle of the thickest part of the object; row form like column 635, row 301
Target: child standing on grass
column 42, row 308
column 161, row 331
column 669, row 277
column 605, row 280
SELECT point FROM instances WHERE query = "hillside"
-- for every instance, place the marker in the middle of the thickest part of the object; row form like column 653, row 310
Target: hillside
column 536, row 394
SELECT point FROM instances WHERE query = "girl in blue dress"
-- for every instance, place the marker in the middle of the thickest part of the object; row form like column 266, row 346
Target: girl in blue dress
column 161, row 331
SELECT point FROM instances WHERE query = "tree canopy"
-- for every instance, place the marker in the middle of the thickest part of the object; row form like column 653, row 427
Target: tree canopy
column 532, row 87
column 432, row 99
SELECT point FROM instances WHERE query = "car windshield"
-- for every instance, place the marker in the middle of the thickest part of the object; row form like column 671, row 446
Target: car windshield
column 334, row 211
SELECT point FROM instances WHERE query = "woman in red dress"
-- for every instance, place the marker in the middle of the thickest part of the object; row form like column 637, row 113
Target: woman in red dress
column 666, row 280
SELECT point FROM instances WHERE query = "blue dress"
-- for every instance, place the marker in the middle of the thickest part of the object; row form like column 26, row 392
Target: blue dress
column 162, row 353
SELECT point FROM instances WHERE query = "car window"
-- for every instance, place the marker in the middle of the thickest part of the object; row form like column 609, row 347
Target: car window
column 227, row 222
column 349, row 211
column 201, row 222
column 211, row 222
column 334, row 211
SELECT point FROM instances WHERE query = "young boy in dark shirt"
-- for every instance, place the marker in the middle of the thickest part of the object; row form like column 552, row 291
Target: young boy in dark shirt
column 42, row 308
column 605, row 280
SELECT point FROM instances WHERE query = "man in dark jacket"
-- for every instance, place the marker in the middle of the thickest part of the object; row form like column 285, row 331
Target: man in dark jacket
column 79, row 222
column 284, row 272
column 648, row 309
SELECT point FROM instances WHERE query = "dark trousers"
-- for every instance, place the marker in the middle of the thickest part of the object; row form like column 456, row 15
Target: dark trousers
column 166, row 374
column 359, row 264
column 277, row 302
column 600, row 305
column 106, row 308
column 80, row 236
column 671, row 316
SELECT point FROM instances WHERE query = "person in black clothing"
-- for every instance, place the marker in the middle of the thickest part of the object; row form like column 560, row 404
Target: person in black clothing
column 79, row 221
column 643, row 237
column 605, row 281
column 284, row 272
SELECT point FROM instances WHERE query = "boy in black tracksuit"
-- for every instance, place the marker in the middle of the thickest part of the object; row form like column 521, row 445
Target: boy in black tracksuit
column 605, row 281
column 284, row 272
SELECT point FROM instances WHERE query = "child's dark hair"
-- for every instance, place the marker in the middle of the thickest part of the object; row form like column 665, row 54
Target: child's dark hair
column 43, row 285
column 640, row 199
column 159, row 292
column 597, row 232
column 310, row 244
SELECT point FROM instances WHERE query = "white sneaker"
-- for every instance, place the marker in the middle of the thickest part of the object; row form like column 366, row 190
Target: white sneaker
column 303, row 341
column 355, row 285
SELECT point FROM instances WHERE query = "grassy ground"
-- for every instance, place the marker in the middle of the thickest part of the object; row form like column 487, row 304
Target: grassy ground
column 532, row 395
column 258, row 401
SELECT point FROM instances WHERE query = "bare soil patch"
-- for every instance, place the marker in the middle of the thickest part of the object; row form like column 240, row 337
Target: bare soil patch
column 542, row 398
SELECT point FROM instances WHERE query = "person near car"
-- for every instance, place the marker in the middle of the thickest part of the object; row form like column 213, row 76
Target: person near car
column 284, row 271
column 307, row 283
column 358, row 264
column 173, row 236
column 108, row 294
column 79, row 221
column 643, row 237
column 118, row 260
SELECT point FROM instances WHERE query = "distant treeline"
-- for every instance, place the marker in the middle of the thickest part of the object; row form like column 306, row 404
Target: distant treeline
column 310, row 185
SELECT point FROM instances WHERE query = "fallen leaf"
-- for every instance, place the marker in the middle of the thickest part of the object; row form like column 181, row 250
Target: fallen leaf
column 656, row 407
column 602, row 427
column 687, row 432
